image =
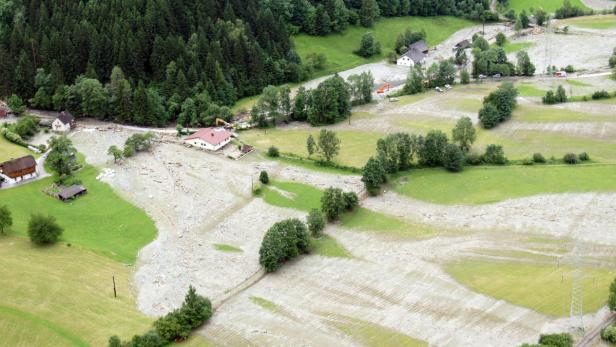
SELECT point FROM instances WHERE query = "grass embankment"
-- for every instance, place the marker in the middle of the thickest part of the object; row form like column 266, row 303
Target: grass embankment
column 63, row 296
column 543, row 288
column 338, row 48
column 480, row 185
column 10, row 150
column 547, row 5
column 529, row 89
column 100, row 220
column 599, row 22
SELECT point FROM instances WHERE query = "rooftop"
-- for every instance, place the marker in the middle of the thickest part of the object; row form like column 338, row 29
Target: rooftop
column 213, row 136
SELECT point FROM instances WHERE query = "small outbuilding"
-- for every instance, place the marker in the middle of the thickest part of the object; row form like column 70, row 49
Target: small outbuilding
column 64, row 123
column 211, row 139
column 464, row 44
column 3, row 112
column 17, row 170
column 71, row 192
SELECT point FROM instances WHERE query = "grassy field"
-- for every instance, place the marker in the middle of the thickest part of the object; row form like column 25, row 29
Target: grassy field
column 292, row 195
column 598, row 22
column 328, row 247
column 355, row 147
column 63, row 296
column 100, row 221
column 338, row 48
column 547, row 5
column 577, row 83
column 366, row 220
column 551, row 114
column 9, row 150
column 543, row 288
column 528, row 89
column 512, row 47
column 374, row 335
column 481, row 185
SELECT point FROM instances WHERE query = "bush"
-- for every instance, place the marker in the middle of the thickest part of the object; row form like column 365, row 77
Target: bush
column 273, row 152
column 174, row 326
column 527, row 161
column 170, row 327
column 601, row 94
column 350, row 200
column 473, row 159
column 283, row 241
column 609, row 334
column 43, row 229
column 263, row 177
column 432, row 149
column 453, row 159
column 538, row 158
column 316, row 222
column 612, row 61
column 584, row 156
column 556, row 340
column 569, row 69
column 494, row 155
column 488, row 116
column 332, row 203
column 13, row 137
column 570, row 158
column 373, row 175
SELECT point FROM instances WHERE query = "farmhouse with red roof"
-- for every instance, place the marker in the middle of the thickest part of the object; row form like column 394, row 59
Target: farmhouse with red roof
column 211, row 139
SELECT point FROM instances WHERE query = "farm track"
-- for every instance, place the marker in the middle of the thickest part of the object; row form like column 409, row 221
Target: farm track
column 591, row 336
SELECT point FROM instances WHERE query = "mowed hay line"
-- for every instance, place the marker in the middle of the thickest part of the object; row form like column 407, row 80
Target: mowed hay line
column 480, row 185
column 338, row 48
column 546, row 5
column 543, row 288
column 9, row 150
column 63, row 296
column 100, row 220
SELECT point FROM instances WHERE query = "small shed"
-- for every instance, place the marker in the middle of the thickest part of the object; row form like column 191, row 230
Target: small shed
column 71, row 192
column 3, row 112
column 464, row 44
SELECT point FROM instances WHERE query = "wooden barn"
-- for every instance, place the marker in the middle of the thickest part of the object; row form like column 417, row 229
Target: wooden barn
column 71, row 192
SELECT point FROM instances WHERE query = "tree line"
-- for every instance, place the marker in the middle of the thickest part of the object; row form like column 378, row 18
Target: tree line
column 167, row 50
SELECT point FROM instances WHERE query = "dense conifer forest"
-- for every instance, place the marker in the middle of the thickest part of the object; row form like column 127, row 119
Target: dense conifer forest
column 141, row 61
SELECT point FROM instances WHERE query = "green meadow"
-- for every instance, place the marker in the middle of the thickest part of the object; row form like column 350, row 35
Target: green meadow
column 540, row 287
column 547, row 5
column 338, row 48
column 487, row 184
column 100, row 221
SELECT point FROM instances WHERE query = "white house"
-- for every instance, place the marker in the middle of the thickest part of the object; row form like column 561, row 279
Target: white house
column 416, row 54
column 64, row 123
column 211, row 139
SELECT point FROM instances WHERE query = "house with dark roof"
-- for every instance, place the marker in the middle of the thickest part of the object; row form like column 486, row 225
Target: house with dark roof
column 416, row 54
column 17, row 170
column 211, row 139
column 64, row 123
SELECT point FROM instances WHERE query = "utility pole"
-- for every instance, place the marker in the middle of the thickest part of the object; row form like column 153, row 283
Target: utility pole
column 115, row 294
